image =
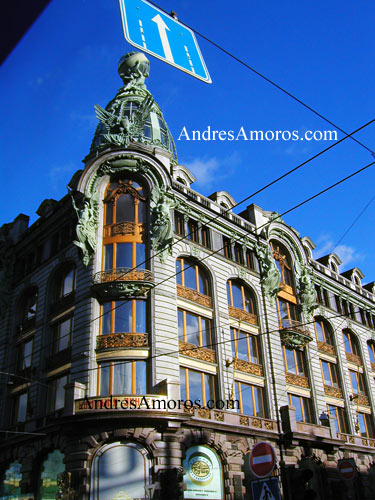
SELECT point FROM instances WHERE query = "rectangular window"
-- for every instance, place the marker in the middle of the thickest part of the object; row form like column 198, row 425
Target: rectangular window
column 197, row 386
column 123, row 378
column 25, row 351
column 251, row 260
column 358, row 382
column 62, row 334
column 57, row 392
column 245, row 346
column 193, row 231
column 123, row 317
column 194, row 329
column 21, row 408
column 179, row 225
column 303, row 408
column 365, row 425
column 294, row 361
column 340, row 418
column 329, row 372
column 206, row 237
column 250, row 398
column 227, row 247
column 238, row 253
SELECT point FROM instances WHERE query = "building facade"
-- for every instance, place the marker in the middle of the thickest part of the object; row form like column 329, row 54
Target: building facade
column 151, row 337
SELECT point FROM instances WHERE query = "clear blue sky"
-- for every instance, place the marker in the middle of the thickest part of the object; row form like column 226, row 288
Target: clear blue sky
column 323, row 52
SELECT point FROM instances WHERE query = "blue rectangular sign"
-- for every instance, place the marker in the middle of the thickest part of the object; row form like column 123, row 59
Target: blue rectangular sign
column 267, row 489
column 151, row 30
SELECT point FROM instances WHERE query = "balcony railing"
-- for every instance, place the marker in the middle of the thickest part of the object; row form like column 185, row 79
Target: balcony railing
column 122, row 282
column 248, row 367
column 193, row 295
column 121, row 340
column 293, row 333
column 242, row 315
column 197, row 352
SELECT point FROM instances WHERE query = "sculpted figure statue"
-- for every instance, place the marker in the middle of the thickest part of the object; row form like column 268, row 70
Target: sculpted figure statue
column 270, row 274
column 162, row 231
column 86, row 227
column 306, row 289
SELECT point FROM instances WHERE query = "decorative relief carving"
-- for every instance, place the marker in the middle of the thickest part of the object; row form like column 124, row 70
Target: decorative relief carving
column 354, row 358
column 256, row 422
column 269, row 425
column 193, row 295
column 299, row 380
column 324, row 347
column 335, row 392
column 246, row 366
column 293, row 334
column 244, row 421
column 197, row 352
column 219, row 416
column 371, row 442
column 351, row 439
column 242, row 315
column 372, row 366
column 362, row 400
column 364, row 442
column 123, row 228
column 203, row 413
column 188, row 410
column 115, row 340
column 123, row 274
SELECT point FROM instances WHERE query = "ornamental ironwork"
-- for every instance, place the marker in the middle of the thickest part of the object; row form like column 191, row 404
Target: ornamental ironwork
column 246, row 366
column 242, row 315
column 335, row 392
column 324, row 347
column 121, row 340
column 293, row 334
column 197, row 352
column 193, row 295
column 300, row 380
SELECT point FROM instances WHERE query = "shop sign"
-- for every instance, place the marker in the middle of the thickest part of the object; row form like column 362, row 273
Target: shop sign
column 113, row 403
column 204, row 474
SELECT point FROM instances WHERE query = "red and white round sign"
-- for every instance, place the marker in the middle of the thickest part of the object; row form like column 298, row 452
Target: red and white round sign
column 346, row 469
column 262, row 459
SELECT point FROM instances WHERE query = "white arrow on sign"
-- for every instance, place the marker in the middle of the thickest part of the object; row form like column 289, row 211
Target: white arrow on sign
column 162, row 27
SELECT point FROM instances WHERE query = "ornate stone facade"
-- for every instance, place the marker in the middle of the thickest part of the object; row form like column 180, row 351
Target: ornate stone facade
column 193, row 295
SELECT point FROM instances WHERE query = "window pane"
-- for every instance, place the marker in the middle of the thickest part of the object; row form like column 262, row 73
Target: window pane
column 141, row 211
column 195, row 386
column 209, row 387
column 242, row 352
column 122, row 378
column 283, row 313
column 192, row 329
column 326, row 373
column 27, row 352
column 108, row 213
column 253, row 343
column 206, row 332
column 178, row 271
column 60, row 392
column 125, row 208
column 68, row 283
column 22, row 407
column 123, row 317
column 290, row 361
column 332, row 412
column 362, row 425
column 203, row 285
column 140, row 325
column 371, row 353
column 104, row 379
column 140, row 254
column 258, row 398
column 190, row 277
column 140, row 377
column 183, row 383
column 347, row 342
column 353, row 379
column 108, row 257
column 319, row 331
column 124, row 255
column 307, row 409
column 296, row 403
column 106, row 318
column 237, row 296
column 64, row 334
column 247, row 399
column 180, row 325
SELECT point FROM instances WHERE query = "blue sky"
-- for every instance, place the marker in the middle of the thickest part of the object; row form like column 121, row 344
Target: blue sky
column 323, row 52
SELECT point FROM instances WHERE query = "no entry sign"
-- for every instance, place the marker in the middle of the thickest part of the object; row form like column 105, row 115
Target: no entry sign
column 347, row 468
column 262, row 459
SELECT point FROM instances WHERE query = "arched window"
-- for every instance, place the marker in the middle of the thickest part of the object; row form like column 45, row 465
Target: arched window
column 10, row 486
column 120, row 470
column 283, row 262
column 351, row 346
column 323, row 331
column 371, row 352
column 51, row 468
column 192, row 275
column 124, row 235
column 241, row 297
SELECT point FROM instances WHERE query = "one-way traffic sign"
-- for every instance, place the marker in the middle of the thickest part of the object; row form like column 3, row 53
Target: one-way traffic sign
column 149, row 29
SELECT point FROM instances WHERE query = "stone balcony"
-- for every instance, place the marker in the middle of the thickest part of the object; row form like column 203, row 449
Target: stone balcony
column 294, row 334
column 122, row 283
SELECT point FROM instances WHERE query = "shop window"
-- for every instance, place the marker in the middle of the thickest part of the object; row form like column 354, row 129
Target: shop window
column 329, row 373
column 323, row 331
column 203, row 474
column 241, row 297
column 122, row 378
column 124, row 317
column 295, row 362
column 197, row 386
column 250, row 398
column 339, row 415
column 194, row 329
column 56, row 392
column 48, row 480
column 245, row 346
column 191, row 275
column 10, row 486
column 120, row 470
column 303, row 408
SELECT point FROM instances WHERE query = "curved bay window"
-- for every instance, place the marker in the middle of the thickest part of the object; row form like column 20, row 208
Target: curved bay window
column 124, row 377
column 241, row 302
column 124, row 227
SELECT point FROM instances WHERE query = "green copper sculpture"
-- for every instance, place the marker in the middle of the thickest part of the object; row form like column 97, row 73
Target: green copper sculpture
column 270, row 274
column 86, row 227
column 307, row 291
column 162, row 230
